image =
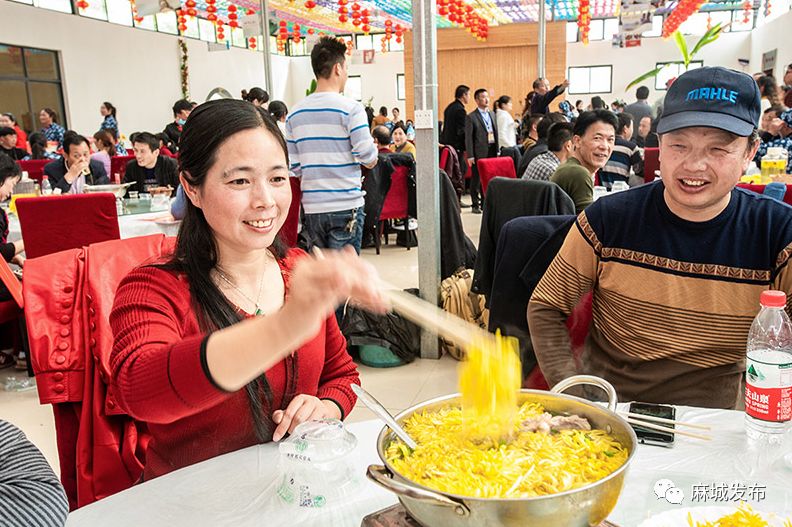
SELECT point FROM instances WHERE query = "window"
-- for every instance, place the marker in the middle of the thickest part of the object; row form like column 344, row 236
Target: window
column 596, row 30
column 610, row 28
column 354, row 88
column 672, row 70
column 167, row 23
column 119, row 12
column 590, row 79
column 238, row 38
column 737, row 21
column 206, row 30
column 400, row 94
column 96, row 9
column 364, row 42
column 30, row 81
column 657, row 27
column 64, row 6
column 149, row 22
column 298, row 49
column 571, row 32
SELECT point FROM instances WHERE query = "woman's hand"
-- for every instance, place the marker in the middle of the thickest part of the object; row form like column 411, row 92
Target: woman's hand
column 18, row 260
column 302, row 408
column 319, row 285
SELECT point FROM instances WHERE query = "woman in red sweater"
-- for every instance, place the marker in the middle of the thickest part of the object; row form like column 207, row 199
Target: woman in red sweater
column 233, row 341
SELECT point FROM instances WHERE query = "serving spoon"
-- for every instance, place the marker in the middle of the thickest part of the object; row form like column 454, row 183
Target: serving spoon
column 375, row 406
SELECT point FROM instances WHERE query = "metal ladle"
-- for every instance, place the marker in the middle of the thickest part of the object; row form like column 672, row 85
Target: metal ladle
column 375, row 406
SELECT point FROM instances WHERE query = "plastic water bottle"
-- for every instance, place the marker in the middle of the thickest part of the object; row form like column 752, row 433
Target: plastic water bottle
column 46, row 187
column 774, row 164
column 768, row 379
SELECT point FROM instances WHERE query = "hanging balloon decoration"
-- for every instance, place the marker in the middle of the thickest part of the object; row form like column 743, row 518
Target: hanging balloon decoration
column 219, row 24
column 384, row 44
column 191, row 8
column 343, row 11
column 182, row 20
column 82, row 4
column 747, row 12
column 252, row 42
column 682, row 12
column 463, row 15
column 233, row 17
column 584, row 20
column 135, row 14
column 211, row 8
column 310, row 4
column 296, row 33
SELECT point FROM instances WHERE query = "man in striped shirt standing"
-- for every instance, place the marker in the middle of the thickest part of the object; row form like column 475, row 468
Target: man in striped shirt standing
column 328, row 139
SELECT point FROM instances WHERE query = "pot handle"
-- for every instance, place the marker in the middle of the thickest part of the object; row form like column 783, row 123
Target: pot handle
column 591, row 380
column 382, row 477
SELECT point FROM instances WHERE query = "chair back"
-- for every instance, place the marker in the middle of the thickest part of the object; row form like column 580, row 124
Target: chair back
column 34, row 168
column 56, row 223
column 760, row 189
column 493, row 167
column 395, row 205
column 288, row 231
column 651, row 163
column 443, row 157
column 118, row 165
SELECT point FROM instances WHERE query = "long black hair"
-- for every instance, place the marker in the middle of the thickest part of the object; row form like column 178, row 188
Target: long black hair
column 38, row 145
column 110, row 108
column 208, row 127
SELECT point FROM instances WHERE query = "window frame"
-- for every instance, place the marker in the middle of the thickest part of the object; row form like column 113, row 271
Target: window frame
column 404, row 90
column 361, row 87
column 678, row 63
column 610, row 82
column 27, row 80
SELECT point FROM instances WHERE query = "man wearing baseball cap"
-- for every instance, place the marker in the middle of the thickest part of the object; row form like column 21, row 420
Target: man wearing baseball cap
column 676, row 267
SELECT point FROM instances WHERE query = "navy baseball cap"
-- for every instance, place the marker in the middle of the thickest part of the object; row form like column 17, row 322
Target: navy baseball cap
column 712, row 97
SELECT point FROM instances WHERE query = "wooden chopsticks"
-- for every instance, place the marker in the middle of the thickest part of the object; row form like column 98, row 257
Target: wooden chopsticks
column 643, row 421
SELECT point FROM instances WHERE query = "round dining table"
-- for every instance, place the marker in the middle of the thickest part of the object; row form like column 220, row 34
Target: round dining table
column 237, row 489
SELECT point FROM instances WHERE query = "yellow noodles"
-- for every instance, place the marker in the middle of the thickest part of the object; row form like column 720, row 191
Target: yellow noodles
column 489, row 380
column 530, row 464
column 744, row 516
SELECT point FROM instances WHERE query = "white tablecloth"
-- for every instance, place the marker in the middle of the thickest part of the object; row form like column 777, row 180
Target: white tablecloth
column 230, row 490
column 130, row 226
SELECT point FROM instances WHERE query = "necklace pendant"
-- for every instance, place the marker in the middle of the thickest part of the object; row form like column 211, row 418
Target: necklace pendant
column 258, row 312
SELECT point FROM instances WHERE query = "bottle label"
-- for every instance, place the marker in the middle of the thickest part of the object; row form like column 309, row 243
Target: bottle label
column 768, row 387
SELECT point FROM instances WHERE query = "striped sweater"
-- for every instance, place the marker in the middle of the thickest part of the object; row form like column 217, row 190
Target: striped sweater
column 328, row 139
column 30, row 493
column 673, row 300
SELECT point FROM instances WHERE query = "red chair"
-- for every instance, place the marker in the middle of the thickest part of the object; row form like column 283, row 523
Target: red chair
column 118, row 166
column 395, row 205
column 34, row 168
column 759, row 189
column 56, row 223
column 443, row 157
column 578, row 325
column 289, row 230
column 11, row 319
column 493, row 167
column 651, row 163
column 69, row 296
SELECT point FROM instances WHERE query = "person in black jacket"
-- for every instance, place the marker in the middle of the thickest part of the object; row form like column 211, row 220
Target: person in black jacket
column 543, row 95
column 481, row 141
column 8, row 139
column 454, row 120
column 181, row 111
column 149, row 168
column 76, row 169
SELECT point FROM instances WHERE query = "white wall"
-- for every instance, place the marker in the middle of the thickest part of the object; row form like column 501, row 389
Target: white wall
column 773, row 35
column 378, row 80
column 136, row 70
column 629, row 63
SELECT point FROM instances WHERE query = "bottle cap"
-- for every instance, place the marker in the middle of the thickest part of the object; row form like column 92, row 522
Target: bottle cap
column 773, row 299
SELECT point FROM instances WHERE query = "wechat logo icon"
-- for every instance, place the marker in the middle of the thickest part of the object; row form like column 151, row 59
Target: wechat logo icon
column 665, row 489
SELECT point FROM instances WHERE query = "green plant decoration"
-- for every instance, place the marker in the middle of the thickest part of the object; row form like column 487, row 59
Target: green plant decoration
column 311, row 88
column 709, row 37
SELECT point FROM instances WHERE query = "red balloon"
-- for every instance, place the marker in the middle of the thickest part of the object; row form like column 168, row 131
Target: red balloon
column 182, row 27
column 232, row 8
column 211, row 17
column 282, row 23
column 355, row 7
column 343, row 18
column 192, row 12
column 343, row 10
column 366, row 28
column 356, row 22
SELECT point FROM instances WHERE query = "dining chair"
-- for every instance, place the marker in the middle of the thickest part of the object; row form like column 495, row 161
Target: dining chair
column 118, row 165
column 651, row 163
column 493, row 167
column 57, row 223
column 34, row 168
column 395, row 205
